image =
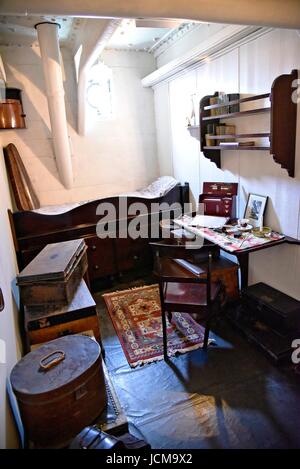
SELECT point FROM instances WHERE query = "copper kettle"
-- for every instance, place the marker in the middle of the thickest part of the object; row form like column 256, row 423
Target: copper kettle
column 11, row 114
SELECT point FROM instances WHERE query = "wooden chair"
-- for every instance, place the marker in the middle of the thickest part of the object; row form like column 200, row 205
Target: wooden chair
column 184, row 286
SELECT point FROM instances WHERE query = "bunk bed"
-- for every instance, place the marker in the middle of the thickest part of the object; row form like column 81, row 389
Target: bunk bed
column 34, row 226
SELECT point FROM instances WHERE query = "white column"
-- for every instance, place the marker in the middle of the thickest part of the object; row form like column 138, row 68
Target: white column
column 49, row 46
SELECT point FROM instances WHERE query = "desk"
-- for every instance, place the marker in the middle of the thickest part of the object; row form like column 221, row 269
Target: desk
column 233, row 246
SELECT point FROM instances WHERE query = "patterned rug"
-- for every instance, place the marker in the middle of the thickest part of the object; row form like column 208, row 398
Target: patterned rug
column 136, row 316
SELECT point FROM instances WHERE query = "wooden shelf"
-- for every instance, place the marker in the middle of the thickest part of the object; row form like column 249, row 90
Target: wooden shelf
column 238, row 101
column 234, row 147
column 283, row 116
column 231, row 115
column 221, row 137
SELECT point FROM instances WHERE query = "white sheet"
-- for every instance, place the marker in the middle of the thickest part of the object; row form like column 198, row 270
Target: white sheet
column 207, row 221
column 158, row 188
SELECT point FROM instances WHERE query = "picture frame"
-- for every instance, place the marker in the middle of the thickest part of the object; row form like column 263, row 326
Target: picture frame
column 255, row 209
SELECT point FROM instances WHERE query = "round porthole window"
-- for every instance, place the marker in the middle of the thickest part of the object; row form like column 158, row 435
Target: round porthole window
column 98, row 95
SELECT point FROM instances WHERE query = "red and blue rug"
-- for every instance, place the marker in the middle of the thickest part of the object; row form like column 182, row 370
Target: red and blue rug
column 136, row 316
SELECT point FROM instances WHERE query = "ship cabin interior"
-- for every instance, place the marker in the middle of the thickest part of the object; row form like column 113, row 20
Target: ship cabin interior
column 150, row 225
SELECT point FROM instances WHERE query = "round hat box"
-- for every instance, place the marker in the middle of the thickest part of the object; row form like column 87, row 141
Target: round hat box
column 60, row 389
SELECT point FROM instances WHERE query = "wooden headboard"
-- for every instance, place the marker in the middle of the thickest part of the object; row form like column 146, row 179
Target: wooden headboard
column 24, row 193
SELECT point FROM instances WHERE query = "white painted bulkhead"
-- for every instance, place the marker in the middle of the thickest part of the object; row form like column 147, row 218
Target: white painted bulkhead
column 248, row 69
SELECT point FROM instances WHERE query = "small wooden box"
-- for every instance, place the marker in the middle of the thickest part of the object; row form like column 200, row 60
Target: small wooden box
column 53, row 276
column 219, row 199
column 50, row 322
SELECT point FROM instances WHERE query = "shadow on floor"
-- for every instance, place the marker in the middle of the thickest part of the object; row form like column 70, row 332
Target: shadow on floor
column 228, row 397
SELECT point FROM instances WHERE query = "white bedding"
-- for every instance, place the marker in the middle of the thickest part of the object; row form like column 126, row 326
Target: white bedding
column 158, row 188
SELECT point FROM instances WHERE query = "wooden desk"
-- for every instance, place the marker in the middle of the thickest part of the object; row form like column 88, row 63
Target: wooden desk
column 242, row 255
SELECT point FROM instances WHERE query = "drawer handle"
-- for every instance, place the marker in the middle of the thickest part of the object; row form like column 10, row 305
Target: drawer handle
column 136, row 258
column 45, row 365
column 96, row 267
column 93, row 248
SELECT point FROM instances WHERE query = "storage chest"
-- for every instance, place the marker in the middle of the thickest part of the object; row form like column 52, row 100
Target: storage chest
column 54, row 274
column 272, row 307
column 44, row 323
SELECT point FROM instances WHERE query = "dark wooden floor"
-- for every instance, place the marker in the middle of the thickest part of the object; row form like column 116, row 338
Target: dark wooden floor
column 229, row 397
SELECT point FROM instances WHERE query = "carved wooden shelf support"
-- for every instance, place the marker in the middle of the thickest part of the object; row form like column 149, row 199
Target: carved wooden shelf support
column 283, row 121
column 283, row 117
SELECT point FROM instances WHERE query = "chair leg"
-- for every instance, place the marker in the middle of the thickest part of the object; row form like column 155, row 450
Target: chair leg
column 164, row 329
column 206, row 336
column 169, row 316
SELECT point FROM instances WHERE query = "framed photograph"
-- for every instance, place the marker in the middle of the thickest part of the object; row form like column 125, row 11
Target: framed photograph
column 255, row 209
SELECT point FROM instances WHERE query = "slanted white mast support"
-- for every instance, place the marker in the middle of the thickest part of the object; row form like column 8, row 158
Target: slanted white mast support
column 49, row 47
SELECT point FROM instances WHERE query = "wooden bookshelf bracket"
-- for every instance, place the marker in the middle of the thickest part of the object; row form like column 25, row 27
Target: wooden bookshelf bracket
column 283, row 116
column 283, row 121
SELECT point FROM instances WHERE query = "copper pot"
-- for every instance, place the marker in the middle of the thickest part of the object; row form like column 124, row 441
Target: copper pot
column 11, row 114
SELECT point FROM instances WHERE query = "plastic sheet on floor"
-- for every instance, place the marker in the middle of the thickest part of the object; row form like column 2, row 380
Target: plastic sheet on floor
column 229, row 397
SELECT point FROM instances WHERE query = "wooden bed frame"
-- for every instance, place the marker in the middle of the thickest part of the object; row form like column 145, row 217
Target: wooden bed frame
column 106, row 257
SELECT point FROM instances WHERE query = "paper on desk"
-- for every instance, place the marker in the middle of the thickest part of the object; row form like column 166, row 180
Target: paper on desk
column 207, row 221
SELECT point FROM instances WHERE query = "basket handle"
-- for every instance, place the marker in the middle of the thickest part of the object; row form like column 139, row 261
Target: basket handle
column 45, row 366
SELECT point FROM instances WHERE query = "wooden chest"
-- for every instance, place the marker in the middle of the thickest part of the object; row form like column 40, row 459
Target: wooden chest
column 272, row 307
column 54, row 274
column 44, row 323
column 222, row 269
column 227, row 271
column 60, row 389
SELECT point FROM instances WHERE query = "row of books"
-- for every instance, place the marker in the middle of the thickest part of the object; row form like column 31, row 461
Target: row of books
column 218, row 130
column 224, row 98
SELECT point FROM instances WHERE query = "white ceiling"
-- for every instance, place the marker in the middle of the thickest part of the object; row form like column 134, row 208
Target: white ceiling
column 140, row 34
column 18, row 30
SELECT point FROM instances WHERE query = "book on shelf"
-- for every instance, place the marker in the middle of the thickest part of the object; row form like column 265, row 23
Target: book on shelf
column 212, row 101
column 224, row 129
column 234, row 107
column 221, row 98
column 237, row 144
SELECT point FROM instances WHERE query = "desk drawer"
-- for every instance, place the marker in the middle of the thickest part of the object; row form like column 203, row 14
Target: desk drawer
column 101, row 257
column 133, row 253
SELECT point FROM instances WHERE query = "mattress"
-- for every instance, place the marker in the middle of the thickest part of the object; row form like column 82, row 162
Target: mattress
column 158, row 188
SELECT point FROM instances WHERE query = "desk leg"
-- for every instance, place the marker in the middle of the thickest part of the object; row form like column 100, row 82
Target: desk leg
column 244, row 266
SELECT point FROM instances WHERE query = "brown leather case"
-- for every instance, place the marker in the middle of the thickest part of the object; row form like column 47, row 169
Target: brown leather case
column 59, row 389
column 93, row 438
